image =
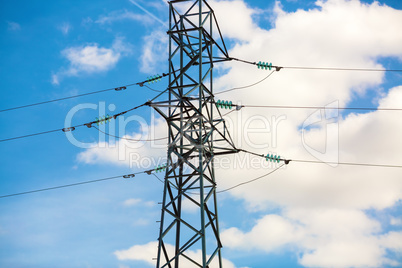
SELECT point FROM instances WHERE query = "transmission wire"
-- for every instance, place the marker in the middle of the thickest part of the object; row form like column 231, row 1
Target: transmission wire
column 156, row 139
column 251, row 85
column 72, row 128
column 332, row 163
column 250, row 181
column 119, row 88
column 320, row 107
column 320, row 68
column 62, row 186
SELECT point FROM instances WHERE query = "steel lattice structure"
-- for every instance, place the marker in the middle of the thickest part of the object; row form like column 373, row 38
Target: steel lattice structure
column 197, row 133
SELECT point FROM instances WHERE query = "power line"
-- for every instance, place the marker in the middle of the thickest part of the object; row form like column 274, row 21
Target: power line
column 153, row 89
column 320, row 162
column 320, row 107
column 126, row 176
column 340, row 69
column 347, row 163
column 60, row 99
column 129, row 139
column 72, row 128
column 151, row 79
column 156, row 139
column 89, row 125
column 251, row 85
column 250, row 181
column 58, row 187
column 30, row 135
column 150, row 172
column 316, row 68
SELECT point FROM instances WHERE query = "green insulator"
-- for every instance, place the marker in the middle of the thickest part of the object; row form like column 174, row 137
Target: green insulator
column 273, row 158
column 264, row 65
column 224, row 104
column 154, row 79
column 108, row 118
column 160, row 169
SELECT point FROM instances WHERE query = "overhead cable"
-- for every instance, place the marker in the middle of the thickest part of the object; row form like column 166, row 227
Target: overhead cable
column 274, row 158
column 98, row 121
column 150, row 80
column 264, row 65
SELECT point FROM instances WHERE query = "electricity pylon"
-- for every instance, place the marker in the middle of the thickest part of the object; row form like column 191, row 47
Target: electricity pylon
column 197, row 134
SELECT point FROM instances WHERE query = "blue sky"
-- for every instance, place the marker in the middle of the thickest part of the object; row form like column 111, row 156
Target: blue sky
column 305, row 215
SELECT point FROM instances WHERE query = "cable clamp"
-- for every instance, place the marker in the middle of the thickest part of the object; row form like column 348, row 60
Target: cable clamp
column 120, row 88
column 129, row 176
column 68, row 129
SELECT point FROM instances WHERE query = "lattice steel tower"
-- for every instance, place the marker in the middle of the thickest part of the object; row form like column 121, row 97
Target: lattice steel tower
column 197, row 134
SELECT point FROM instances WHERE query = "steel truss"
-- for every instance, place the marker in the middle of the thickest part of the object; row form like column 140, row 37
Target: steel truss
column 195, row 138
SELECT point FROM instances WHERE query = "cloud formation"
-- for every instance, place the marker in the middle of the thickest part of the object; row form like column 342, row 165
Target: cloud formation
column 323, row 238
column 65, row 28
column 13, row 26
column 91, row 58
column 154, row 52
column 323, row 216
column 132, row 149
column 148, row 252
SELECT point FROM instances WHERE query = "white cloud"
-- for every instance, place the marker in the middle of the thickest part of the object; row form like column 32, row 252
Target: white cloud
column 137, row 201
column 86, row 22
column 140, row 155
column 13, row 26
column 132, row 202
column 141, row 222
column 323, row 217
column 65, row 28
column 242, row 28
column 147, row 252
column 392, row 240
column 55, row 79
column 323, row 207
column 154, row 52
column 91, row 58
column 323, row 238
column 396, row 221
column 361, row 135
column 269, row 234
